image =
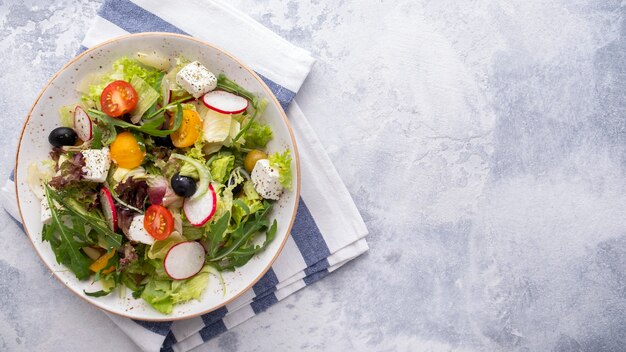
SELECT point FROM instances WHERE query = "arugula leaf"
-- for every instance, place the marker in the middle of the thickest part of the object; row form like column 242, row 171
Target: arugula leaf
column 160, row 111
column 241, row 256
column 216, row 233
column 97, row 293
column 66, row 247
column 269, row 237
column 225, row 83
column 150, row 126
column 96, row 141
column 242, row 234
column 96, row 222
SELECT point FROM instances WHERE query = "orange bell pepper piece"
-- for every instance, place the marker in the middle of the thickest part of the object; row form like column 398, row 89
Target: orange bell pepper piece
column 101, row 263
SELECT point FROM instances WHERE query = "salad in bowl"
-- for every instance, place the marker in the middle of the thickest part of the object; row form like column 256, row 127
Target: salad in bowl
column 158, row 180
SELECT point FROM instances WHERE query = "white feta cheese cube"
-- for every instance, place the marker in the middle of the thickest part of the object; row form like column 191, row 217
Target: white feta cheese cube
column 46, row 214
column 97, row 163
column 138, row 233
column 265, row 180
column 196, row 79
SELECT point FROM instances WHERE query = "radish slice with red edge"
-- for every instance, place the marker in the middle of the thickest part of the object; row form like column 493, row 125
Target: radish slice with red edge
column 184, row 260
column 225, row 102
column 82, row 124
column 200, row 210
column 108, row 208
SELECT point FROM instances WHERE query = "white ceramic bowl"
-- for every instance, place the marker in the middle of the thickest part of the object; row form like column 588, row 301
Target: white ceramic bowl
column 43, row 117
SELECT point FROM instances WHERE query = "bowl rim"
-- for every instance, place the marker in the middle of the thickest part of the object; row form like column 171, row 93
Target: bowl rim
column 243, row 66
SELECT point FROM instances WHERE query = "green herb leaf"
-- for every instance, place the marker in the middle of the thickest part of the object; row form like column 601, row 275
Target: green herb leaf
column 243, row 233
column 225, row 83
column 151, row 125
column 94, row 220
column 96, row 141
column 258, row 111
column 216, row 233
column 66, row 247
column 97, row 293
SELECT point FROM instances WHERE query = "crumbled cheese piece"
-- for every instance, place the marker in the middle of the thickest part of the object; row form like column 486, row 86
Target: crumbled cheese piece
column 196, row 79
column 138, row 233
column 265, row 180
column 97, row 163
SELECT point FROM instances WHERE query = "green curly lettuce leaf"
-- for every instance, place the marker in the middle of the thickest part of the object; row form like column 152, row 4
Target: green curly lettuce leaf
column 221, row 167
column 282, row 162
column 162, row 295
column 124, row 69
column 257, row 136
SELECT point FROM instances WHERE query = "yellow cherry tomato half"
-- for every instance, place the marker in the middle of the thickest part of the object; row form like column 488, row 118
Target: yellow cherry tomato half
column 126, row 152
column 189, row 129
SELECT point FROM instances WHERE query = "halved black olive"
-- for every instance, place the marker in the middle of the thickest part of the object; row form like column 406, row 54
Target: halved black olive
column 62, row 136
column 183, row 186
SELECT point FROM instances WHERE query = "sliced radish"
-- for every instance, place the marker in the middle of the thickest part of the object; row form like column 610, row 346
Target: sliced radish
column 184, row 260
column 82, row 124
column 224, row 102
column 108, row 208
column 200, row 210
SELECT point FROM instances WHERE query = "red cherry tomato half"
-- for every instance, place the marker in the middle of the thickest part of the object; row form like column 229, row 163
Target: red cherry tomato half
column 158, row 221
column 118, row 98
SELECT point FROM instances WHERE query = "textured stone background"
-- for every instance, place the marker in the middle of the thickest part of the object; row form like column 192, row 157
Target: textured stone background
column 484, row 143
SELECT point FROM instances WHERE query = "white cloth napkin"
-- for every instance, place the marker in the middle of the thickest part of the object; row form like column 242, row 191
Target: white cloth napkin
column 328, row 230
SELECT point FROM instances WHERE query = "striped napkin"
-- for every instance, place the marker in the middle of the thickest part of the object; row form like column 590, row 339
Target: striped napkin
column 328, row 230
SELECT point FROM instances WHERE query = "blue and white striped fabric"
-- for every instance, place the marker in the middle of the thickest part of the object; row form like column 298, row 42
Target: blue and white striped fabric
column 328, row 230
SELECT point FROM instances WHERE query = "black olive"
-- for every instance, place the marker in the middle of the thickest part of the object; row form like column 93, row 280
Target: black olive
column 238, row 188
column 183, row 186
column 61, row 136
column 164, row 141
